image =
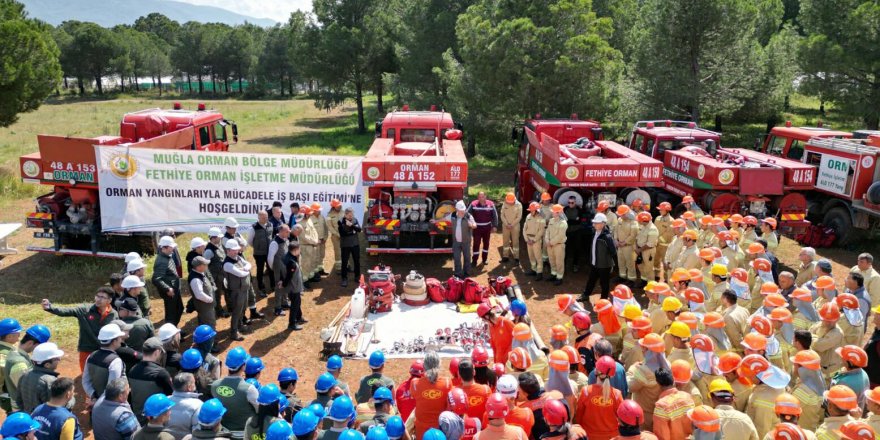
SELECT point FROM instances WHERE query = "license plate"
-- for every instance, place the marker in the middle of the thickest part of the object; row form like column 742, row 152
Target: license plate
column 44, row 235
column 379, row 237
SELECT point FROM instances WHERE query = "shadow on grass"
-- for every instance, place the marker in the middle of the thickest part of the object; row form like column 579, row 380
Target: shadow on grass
column 340, row 140
column 325, row 122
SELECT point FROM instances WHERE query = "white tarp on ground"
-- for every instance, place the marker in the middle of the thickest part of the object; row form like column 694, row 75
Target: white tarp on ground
column 406, row 322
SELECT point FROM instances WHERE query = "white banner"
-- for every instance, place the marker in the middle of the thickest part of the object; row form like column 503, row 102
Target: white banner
column 143, row 189
column 835, row 174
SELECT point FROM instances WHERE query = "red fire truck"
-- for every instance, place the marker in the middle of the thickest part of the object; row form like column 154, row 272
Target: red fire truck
column 569, row 157
column 70, row 214
column 414, row 172
column 789, row 141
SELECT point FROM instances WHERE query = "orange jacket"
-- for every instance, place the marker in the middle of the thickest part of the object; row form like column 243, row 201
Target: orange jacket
column 596, row 414
column 477, row 395
column 506, row 432
column 501, row 338
column 522, row 417
column 670, row 415
column 430, row 402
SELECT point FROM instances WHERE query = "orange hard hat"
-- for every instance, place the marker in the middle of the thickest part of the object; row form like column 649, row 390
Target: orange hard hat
column 694, row 295
column 680, row 274
column 642, row 323
column 789, row 431
column 687, row 199
column 740, row 274
column 522, row 332
column 762, row 325
column 602, row 306
column 717, row 221
column 558, row 333
column 623, row 210
column 750, row 220
column 602, row 206
column 556, row 209
column 335, row 203
column 853, row 354
column 756, row 248
column 315, row 207
column 724, row 236
column 808, row 359
column 770, row 221
column 707, row 253
column 664, row 206
column 847, row 301
column 558, row 360
column 573, row 356
column 736, row 218
column 688, row 318
column 824, row 282
column 702, row 342
column 754, row 341
column 661, row 289
column 705, row 418
column 644, row 216
column 534, row 206
column 781, row 314
column 830, row 312
column 622, row 291
column 754, row 364
column 690, row 234
column 734, row 234
column 713, row 320
column 788, row 405
column 688, row 215
column 775, row 300
column 653, row 342
column 305, row 210
column 842, row 397
column 762, row 264
column 717, row 251
column 706, row 220
column 802, row 294
column 873, row 395
column 728, row 362
column 563, row 302
column 679, row 223
column 769, row 287
column 636, row 203
column 696, row 275
column 519, row 359
column 856, row 430
column 681, row 371
column 510, row 197
column 545, row 196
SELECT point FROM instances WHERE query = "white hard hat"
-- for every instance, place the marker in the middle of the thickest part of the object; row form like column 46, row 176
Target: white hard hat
column 132, row 281
column 507, row 386
column 460, row 205
column 131, row 256
column 167, row 331
column 230, row 222
column 167, row 241
column 134, row 265
column 600, row 218
column 110, row 332
column 232, row 245
column 197, row 242
column 45, row 352
column 214, row 232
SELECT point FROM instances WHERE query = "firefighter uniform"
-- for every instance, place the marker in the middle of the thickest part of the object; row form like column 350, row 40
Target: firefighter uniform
column 612, row 220
column 631, row 352
column 625, row 236
column 805, row 273
column 735, row 424
column 704, row 238
column 811, row 403
column 762, row 408
column 831, row 426
column 688, row 258
column 533, row 233
column 548, row 214
column 736, row 322
column 555, row 238
column 713, row 302
column 825, row 341
column 734, row 257
column 647, row 238
column 309, row 242
column 665, row 237
column 320, row 224
column 511, row 214
column 748, row 237
column 333, row 229
column 641, row 382
column 742, row 389
column 673, row 250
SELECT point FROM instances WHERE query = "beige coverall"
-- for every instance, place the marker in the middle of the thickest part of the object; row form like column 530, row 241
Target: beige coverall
column 308, row 241
column 664, row 228
column 320, row 224
column 333, row 229
column 647, row 238
column 511, row 214
column 554, row 238
column 533, row 233
column 625, row 236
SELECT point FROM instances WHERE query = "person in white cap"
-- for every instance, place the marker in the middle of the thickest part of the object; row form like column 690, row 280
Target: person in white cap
column 167, row 281
column 204, row 290
column 103, row 365
column 133, row 287
column 34, row 385
column 461, row 227
column 197, row 247
column 237, row 273
column 139, row 269
column 216, row 254
column 602, row 254
column 169, row 335
column 232, row 226
column 129, row 257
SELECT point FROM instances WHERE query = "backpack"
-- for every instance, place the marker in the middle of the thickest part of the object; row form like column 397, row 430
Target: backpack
column 474, row 293
column 454, row 289
column 436, row 291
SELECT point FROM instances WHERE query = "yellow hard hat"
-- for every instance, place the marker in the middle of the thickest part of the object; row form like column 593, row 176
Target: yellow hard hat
column 671, row 304
column 719, row 270
column 631, row 311
column 720, row 385
column 679, row 329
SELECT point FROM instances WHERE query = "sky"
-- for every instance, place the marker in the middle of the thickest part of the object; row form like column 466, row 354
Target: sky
column 278, row 10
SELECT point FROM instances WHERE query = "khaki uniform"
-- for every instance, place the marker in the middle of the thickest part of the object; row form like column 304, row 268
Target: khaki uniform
column 704, row 238
column 713, row 302
column 747, row 238
column 828, row 430
column 734, row 258
column 672, row 252
column 645, row 391
column 554, row 238
column 736, row 322
column 805, row 274
column 659, row 320
column 612, row 221
column 688, row 259
column 648, row 237
column 772, row 241
column 762, row 408
column 736, row 425
column 874, row 421
column 533, row 233
column 666, row 234
column 548, row 214
column 309, row 242
column 741, row 393
column 825, row 341
column 631, row 352
column 852, row 334
column 511, row 214
column 872, row 283
column 320, row 224
column 625, row 235
column 333, row 229
column 812, row 413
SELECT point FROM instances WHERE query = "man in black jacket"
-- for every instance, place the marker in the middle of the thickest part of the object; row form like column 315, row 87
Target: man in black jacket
column 601, row 253
column 350, row 244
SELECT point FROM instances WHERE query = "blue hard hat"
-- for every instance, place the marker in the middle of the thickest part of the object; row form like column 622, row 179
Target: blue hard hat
column 305, row 422
column 351, row 434
column 377, row 433
column 518, row 307
column 203, row 333
column 256, row 383
column 318, row 409
column 325, row 382
column 341, row 409
column 9, row 326
column 283, row 403
column 39, row 332
column 334, row 363
column 253, row 365
column 377, row 359
column 434, row 434
column 236, row 358
column 279, row 430
column 211, row 412
column 157, row 404
column 17, row 424
column 394, row 427
column 382, row 394
column 269, row 393
column 287, row 374
column 191, row 359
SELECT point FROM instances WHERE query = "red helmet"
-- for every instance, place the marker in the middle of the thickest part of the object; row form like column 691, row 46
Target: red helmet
column 483, row 309
column 581, row 320
column 555, row 412
column 417, row 369
column 496, row 406
column 453, row 366
column 480, row 357
column 458, row 401
column 499, row 369
column 606, row 365
column 630, row 413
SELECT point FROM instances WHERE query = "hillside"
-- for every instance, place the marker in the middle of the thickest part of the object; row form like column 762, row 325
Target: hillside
column 110, row 13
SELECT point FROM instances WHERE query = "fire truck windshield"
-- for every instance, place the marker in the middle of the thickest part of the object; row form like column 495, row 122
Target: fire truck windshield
column 417, row 135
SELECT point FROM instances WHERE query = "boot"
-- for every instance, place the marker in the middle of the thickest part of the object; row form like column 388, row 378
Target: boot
column 531, row 273
column 557, row 282
column 236, row 336
column 345, row 282
column 256, row 315
column 539, row 277
column 323, row 273
column 505, row 259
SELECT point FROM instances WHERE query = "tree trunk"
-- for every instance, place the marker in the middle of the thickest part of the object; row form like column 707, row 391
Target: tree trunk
column 290, row 85
column 872, row 122
column 471, row 145
column 240, row 84
column 201, row 85
column 359, row 99
column 66, row 86
column 137, row 84
column 99, row 85
column 281, row 83
column 160, row 84
column 718, row 123
column 121, row 83
column 822, row 108
column 380, row 109
column 82, row 87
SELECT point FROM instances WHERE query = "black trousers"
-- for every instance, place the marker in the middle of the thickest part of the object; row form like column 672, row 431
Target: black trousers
column 262, row 264
column 173, row 307
column 601, row 274
column 296, row 314
column 355, row 253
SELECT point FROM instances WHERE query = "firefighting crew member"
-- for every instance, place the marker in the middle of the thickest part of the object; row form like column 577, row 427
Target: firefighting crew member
column 375, row 379
column 646, row 246
column 853, row 375
column 320, row 224
column 554, row 242
column 497, row 409
column 259, row 239
column 349, row 229
column 768, row 233
column 670, row 412
column 484, row 214
column 546, row 205
column 431, row 393
column 309, row 242
column 625, row 239
column 809, row 387
column 719, row 275
column 736, row 319
column 675, row 246
column 215, row 254
column 237, row 273
column 865, row 266
column 730, row 250
column 241, row 403
column 705, row 234
column 574, row 216
column 771, row 382
column 558, row 416
column 18, row 363
column 827, row 336
column 630, row 417
column 872, row 401
column 597, row 404
column 688, row 258
column 789, row 410
column 462, row 225
column 167, row 281
column 511, row 214
column 840, row 401
column 333, row 217
column 734, row 423
column 690, row 205
column 500, row 332
column 604, row 208
column 277, row 250
column 601, row 254
column 748, row 235
column 533, row 233
column 640, row 378
column 665, row 234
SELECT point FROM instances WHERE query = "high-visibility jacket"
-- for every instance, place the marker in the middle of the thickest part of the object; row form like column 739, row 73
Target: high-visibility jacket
column 828, row 429
column 670, row 415
column 735, row 424
column 825, row 341
column 742, row 390
column 762, row 408
column 812, row 413
column 645, row 391
column 504, row 432
column 736, row 321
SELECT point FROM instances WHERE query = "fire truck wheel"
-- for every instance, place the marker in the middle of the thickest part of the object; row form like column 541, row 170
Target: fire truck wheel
column 840, row 220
